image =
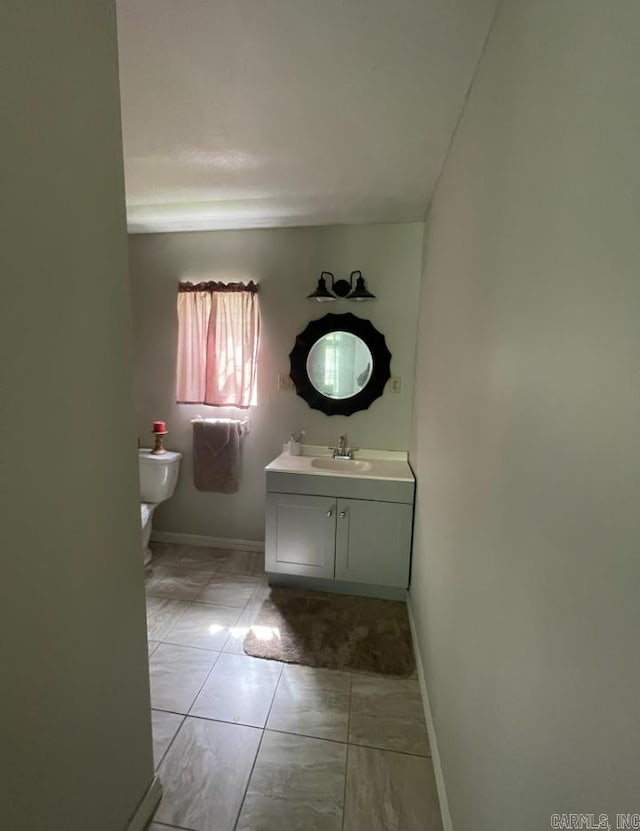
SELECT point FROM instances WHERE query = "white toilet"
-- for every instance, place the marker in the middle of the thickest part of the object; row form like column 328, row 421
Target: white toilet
column 158, row 477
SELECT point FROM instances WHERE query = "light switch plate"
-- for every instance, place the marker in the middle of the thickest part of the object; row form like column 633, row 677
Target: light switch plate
column 284, row 382
column 395, row 384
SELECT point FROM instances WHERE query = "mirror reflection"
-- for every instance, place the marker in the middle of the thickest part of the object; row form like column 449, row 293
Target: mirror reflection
column 339, row 365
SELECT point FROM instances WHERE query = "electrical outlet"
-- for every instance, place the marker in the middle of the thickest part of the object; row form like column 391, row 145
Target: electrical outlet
column 284, row 382
column 395, row 384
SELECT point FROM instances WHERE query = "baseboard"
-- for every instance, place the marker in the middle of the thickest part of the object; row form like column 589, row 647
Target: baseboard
column 337, row 586
column 435, row 755
column 148, row 804
column 208, row 542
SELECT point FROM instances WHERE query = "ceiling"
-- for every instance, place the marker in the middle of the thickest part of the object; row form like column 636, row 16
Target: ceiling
column 263, row 113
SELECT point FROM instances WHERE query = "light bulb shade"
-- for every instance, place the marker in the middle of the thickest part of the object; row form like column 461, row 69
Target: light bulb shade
column 360, row 292
column 322, row 293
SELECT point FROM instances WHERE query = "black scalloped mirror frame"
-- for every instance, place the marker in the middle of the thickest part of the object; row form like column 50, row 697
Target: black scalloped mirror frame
column 380, row 374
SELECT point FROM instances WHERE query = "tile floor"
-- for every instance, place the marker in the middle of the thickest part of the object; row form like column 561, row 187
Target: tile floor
column 242, row 744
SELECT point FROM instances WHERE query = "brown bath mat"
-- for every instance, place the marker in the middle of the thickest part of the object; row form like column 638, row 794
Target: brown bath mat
column 336, row 631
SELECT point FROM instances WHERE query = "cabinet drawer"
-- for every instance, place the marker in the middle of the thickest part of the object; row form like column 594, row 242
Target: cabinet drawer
column 382, row 490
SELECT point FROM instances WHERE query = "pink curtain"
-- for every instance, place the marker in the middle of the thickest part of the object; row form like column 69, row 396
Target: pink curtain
column 218, row 330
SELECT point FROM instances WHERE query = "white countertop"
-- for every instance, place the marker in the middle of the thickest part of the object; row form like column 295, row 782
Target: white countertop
column 390, row 465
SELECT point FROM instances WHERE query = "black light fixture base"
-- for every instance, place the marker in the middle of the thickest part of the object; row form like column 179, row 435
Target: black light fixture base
column 341, row 288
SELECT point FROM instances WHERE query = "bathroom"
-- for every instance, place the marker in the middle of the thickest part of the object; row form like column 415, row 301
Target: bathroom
column 515, row 392
column 286, row 263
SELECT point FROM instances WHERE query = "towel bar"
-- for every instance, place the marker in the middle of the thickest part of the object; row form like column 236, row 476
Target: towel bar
column 245, row 422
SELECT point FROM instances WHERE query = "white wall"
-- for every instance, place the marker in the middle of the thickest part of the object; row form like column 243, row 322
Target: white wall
column 287, row 263
column 526, row 568
column 75, row 748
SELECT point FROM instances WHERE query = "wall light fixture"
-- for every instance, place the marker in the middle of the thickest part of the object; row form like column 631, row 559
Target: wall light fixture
column 341, row 289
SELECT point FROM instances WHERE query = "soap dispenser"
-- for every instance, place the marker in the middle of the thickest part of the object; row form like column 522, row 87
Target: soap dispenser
column 295, row 443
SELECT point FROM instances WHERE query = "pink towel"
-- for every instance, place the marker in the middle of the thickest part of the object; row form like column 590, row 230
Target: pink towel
column 216, row 455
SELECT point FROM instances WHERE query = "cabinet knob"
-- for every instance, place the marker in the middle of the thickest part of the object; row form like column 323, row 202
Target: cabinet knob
column 329, row 512
column 342, row 514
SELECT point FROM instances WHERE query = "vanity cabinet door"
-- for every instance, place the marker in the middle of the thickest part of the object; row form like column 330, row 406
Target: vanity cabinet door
column 300, row 536
column 373, row 542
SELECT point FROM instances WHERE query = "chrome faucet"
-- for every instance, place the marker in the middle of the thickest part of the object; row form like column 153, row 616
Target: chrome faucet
column 342, row 451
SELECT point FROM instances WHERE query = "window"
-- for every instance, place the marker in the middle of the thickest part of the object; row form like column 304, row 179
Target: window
column 218, row 329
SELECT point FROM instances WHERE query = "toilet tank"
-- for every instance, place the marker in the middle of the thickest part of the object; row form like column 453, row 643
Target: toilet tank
column 158, row 475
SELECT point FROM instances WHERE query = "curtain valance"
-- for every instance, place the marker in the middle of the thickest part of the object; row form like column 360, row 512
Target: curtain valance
column 212, row 285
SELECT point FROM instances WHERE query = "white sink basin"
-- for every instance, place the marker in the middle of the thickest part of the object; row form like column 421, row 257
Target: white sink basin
column 348, row 466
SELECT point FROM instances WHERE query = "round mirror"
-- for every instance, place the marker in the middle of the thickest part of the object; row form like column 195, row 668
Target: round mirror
column 339, row 365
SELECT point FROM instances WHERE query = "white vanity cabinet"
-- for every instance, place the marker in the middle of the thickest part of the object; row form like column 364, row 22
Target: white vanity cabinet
column 349, row 533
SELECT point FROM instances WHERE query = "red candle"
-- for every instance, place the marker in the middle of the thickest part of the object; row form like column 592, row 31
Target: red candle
column 159, row 427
